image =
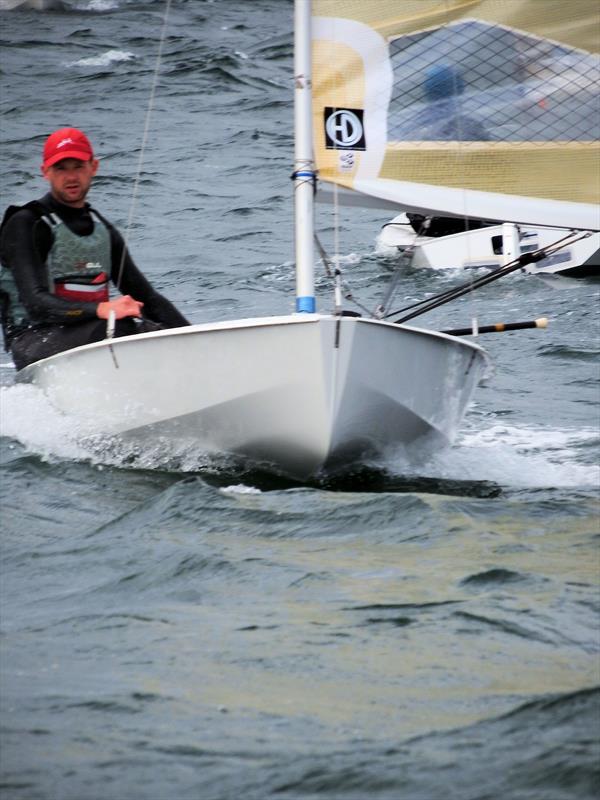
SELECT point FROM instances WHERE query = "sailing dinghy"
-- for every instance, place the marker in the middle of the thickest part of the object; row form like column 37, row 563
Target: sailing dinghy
column 418, row 239
column 484, row 110
column 304, row 392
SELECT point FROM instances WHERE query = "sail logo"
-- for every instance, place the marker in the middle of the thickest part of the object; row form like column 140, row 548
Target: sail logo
column 347, row 161
column 344, row 129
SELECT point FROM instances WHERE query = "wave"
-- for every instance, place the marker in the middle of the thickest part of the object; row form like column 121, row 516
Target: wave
column 569, row 353
column 512, row 456
column 102, row 60
column 98, row 6
column 544, row 748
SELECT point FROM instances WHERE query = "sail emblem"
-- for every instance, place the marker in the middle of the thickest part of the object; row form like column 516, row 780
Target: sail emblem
column 344, row 129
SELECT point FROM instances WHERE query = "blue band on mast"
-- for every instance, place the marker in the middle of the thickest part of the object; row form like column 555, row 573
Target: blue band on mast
column 306, row 305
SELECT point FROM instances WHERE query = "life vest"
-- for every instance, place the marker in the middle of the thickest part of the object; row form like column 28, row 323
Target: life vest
column 79, row 266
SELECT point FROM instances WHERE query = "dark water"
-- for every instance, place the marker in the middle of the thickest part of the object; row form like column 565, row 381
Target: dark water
column 175, row 628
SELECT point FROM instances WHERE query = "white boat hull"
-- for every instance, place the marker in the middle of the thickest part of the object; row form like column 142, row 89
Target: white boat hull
column 482, row 249
column 303, row 392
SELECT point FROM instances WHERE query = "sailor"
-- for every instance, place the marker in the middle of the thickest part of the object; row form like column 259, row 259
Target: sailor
column 442, row 116
column 58, row 256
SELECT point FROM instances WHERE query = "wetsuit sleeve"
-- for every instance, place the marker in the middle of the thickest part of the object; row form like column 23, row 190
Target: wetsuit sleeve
column 24, row 247
column 156, row 307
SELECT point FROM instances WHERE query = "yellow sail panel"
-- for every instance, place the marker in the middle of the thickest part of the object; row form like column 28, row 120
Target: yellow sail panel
column 484, row 95
column 558, row 171
column 343, row 82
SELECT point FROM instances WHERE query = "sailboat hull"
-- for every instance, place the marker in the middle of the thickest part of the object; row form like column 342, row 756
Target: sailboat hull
column 302, row 392
column 482, row 249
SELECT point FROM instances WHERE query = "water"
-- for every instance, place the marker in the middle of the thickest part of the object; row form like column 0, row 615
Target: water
column 179, row 628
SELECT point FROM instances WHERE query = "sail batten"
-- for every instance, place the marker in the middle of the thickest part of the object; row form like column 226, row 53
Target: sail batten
column 461, row 100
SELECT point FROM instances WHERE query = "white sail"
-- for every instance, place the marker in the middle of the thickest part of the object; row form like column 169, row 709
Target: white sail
column 487, row 109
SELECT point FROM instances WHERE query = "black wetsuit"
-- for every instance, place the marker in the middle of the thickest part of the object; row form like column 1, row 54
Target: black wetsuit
column 58, row 324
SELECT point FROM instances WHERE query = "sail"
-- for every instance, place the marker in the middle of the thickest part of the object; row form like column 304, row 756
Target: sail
column 488, row 109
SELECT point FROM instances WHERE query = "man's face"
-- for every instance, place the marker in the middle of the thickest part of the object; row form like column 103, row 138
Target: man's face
column 70, row 180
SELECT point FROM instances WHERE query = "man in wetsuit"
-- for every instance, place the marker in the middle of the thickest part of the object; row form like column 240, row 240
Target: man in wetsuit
column 57, row 257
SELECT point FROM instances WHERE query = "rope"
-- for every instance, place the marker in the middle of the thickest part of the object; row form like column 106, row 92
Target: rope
column 335, row 273
column 149, row 110
column 457, row 95
column 405, row 260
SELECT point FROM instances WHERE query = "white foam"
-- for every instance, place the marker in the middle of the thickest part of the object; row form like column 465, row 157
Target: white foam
column 97, row 5
column 102, row 60
column 240, row 488
column 511, row 456
column 27, row 416
column 508, row 455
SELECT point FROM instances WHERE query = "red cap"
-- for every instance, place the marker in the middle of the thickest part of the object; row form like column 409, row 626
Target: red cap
column 67, row 143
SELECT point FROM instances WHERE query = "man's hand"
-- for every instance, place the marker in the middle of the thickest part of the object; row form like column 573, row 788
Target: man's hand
column 124, row 306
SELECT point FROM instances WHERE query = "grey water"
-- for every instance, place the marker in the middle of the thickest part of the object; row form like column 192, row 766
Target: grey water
column 175, row 627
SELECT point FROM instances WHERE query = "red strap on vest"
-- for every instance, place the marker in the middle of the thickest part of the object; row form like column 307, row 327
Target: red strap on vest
column 94, row 292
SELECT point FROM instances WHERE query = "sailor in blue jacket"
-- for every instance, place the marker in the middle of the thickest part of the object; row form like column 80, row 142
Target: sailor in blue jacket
column 442, row 118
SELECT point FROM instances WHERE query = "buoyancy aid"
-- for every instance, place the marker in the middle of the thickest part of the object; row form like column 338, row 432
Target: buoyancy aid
column 78, row 268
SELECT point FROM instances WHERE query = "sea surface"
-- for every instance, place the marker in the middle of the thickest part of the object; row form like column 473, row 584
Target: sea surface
column 179, row 627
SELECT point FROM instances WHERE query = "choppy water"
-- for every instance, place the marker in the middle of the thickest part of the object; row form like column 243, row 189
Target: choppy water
column 175, row 628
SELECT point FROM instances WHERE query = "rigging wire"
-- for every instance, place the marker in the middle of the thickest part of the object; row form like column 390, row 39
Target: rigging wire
column 332, row 266
column 405, row 260
column 336, row 248
column 459, row 99
column 335, row 274
column 467, row 238
column 430, row 303
column 149, row 110
column 337, row 300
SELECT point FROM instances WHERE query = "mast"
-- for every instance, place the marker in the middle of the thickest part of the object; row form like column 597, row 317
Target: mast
column 304, row 167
